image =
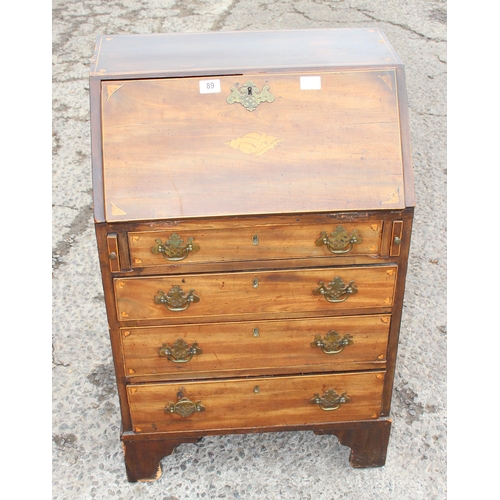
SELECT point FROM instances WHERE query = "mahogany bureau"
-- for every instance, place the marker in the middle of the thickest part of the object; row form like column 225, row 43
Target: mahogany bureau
column 253, row 204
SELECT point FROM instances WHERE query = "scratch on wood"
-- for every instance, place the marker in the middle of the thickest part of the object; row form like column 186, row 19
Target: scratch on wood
column 215, row 354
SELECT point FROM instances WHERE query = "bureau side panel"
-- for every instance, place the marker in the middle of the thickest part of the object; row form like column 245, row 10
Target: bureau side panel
column 410, row 198
column 96, row 149
column 114, row 333
column 407, row 221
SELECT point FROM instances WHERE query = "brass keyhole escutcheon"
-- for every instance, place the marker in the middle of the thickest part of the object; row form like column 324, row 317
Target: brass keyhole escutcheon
column 256, row 332
column 255, row 240
column 255, row 283
column 256, row 389
column 249, row 95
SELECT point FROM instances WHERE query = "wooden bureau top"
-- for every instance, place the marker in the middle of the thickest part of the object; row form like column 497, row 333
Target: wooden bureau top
column 327, row 129
column 222, row 53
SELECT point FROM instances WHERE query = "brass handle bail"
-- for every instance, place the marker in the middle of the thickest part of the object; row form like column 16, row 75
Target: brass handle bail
column 184, row 407
column 180, row 352
column 339, row 241
column 332, row 343
column 176, row 299
column 174, row 248
column 336, row 290
column 330, row 400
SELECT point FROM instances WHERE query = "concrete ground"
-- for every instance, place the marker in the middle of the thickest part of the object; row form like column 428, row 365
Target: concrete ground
column 87, row 455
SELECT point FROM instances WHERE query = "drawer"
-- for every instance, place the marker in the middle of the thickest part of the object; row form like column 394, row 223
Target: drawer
column 259, row 348
column 254, row 242
column 258, row 402
column 250, row 294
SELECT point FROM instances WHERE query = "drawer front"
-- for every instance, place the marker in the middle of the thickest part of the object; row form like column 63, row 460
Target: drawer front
column 258, row 402
column 255, row 242
column 252, row 294
column 259, row 348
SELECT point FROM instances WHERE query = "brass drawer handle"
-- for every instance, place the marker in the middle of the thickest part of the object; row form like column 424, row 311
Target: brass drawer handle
column 339, row 241
column 249, row 95
column 176, row 299
column 180, row 352
column 330, row 400
column 184, row 407
column 332, row 344
column 174, row 248
column 336, row 290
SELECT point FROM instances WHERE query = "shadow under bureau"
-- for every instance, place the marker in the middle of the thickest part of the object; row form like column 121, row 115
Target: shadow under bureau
column 253, row 203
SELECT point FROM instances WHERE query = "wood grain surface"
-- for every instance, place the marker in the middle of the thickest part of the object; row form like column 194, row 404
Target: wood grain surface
column 237, row 403
column 260, row 241
column 171, row 151
column 257, row 348
column 212, row 53
column 232, row 295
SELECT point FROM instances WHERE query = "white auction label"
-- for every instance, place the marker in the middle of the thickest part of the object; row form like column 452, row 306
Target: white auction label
column 310, row 83
column 209, row 86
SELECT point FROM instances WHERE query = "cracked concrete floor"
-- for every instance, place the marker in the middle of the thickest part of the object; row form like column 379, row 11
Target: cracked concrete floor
column 87, row 456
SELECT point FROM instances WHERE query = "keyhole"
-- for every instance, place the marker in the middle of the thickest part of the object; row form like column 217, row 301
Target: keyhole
column 249, row 90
